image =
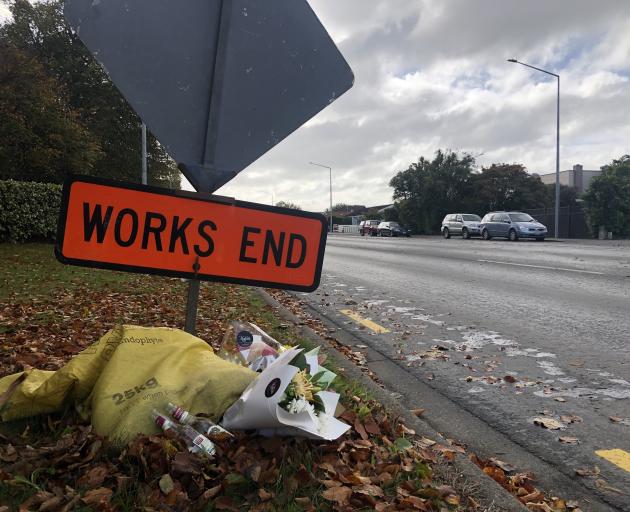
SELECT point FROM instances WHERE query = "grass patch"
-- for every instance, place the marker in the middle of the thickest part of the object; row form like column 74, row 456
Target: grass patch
column 31, row 270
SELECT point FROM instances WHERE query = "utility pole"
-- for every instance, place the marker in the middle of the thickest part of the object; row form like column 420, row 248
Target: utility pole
column 144, row 154
column 557, row 208
column 331, row 210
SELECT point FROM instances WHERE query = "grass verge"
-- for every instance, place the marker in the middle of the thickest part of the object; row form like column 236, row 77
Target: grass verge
column 49, row 312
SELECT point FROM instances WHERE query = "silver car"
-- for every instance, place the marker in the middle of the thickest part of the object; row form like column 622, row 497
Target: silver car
column 512, row 225
column 464, row 224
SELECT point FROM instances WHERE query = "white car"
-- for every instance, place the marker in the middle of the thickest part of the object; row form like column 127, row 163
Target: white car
column 464, row 224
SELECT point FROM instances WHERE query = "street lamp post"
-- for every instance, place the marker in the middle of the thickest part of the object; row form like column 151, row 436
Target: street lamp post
column 331, row 210
column 557, row 212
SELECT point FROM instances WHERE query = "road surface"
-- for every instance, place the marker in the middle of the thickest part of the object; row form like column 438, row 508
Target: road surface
column 514, row 335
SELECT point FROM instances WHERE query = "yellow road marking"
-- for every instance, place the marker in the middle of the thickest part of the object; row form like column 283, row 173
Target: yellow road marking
column 378, row 329
column 618, row 457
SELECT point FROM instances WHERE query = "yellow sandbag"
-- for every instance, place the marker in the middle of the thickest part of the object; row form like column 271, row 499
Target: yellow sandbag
column 129, row 371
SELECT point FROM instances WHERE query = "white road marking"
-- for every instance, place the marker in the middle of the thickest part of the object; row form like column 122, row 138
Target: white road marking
column 543, row 267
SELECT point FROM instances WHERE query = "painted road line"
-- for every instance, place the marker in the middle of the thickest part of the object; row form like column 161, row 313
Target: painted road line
column 543, row 267
column 618, row 457
column 378, row 329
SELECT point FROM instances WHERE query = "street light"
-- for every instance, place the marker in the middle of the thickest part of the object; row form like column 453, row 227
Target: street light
column 331, row 211
column 557, row 213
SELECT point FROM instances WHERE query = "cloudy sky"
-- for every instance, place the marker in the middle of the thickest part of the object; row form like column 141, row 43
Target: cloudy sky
column 433, row 74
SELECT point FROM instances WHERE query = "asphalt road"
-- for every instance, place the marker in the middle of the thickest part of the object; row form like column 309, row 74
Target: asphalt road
column 513, row 334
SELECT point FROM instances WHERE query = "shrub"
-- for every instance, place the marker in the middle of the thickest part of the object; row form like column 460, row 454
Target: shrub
column 28, row 211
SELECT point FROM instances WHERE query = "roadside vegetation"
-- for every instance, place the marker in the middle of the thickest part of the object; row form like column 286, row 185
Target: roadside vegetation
column 59, row 112
column 50, row 312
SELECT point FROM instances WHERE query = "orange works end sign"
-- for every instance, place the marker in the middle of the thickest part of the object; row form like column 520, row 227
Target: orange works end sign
column 144, row 229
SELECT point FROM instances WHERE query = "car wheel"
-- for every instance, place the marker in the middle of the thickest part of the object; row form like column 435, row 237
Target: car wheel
column 541, row 239
column 512, row 236
column 485, row 235
column 446, row 233
column 465, row 234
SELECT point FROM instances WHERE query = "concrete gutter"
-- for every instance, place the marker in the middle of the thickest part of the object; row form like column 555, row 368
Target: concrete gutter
column 487, row 490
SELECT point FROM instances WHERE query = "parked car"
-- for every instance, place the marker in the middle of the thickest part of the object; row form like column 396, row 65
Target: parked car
column 390, row 228
column 369, row 227
column 465, row 224
column 512, row 225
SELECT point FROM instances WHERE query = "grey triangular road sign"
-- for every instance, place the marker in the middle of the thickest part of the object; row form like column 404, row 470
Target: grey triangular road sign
column 219, row 82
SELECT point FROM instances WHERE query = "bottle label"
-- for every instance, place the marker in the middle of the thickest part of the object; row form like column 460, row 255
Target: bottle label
column 204, row 444
column 244, row 340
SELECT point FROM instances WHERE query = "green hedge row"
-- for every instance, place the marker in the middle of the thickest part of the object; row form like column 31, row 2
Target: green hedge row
column 28, row 211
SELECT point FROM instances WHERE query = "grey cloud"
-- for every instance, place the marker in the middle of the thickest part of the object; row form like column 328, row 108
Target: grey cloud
column 432, row 74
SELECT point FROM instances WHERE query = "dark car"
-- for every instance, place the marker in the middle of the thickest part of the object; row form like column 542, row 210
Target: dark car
column 465, row 224
column 369, row 227
column 512, row 225
column 389, row 228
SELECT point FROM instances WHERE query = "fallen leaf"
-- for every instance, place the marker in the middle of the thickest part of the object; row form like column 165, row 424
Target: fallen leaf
column 559, row 399
column 569, row 440
column 94, row 477
column 616, row 419
column 539, row 506
column 166, row 484
column 508, row 468
column 340, row 495
column 51, row 504
column 97, row 497
column 418, row 412
column 587, row 471
column 212, row 492
column 369, row 490
column 548, row 423
column 360, row 429
column 510, row 378
column 570, row 418
column 265, row 495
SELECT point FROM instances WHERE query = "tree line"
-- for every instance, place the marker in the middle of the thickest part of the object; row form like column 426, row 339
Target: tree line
column 60, row 112
column 429, row 189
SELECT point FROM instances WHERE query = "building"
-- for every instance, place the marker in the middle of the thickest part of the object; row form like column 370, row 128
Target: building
column 576, row 177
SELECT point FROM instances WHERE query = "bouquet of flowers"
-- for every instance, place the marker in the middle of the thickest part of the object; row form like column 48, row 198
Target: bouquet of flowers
column 290, row 397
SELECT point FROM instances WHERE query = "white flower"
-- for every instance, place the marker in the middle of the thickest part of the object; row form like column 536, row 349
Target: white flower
column 298, row 405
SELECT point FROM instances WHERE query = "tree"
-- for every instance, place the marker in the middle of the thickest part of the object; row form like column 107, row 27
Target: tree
column 41, row 138
column 41, row 31
column 507, row 187
column 392, row 214
column 429, row 189
column 607, row 200
column 287, row 204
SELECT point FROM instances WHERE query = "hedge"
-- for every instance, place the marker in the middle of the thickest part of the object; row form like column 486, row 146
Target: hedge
column 28, row 211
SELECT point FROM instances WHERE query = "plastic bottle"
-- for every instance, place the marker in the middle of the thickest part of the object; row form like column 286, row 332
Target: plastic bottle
column 195, row 441
column 204, row 425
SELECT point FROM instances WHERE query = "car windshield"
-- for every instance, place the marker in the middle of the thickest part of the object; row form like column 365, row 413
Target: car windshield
column 520, row 217
column 394, row 225
column 474, row 218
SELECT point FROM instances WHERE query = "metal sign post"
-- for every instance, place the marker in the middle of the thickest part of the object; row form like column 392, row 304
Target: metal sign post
column 239, row 77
